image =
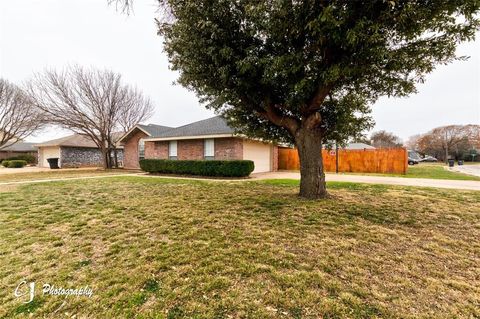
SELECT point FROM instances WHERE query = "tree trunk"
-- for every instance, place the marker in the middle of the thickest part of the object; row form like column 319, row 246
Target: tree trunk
column 105, row 156
column 115, row 157
column 312, row 180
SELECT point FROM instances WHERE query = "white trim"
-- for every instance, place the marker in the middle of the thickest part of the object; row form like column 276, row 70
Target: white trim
column 208, row 147
column 173, row 149
column 194, row 137
column 130, row 131
column 141, row 148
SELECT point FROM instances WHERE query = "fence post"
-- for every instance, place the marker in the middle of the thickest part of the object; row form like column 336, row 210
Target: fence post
column 336, row 157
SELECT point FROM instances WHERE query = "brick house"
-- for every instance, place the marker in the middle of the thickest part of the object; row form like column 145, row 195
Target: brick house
column 73, row 151
column 203, row 140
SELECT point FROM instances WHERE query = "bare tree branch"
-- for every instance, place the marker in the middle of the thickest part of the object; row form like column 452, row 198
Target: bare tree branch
column 124, row 6
column 19, row 117
column 90, row 102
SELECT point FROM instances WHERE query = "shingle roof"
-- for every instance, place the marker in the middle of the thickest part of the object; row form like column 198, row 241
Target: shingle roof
column 212, row 126
column 20, row 147
column 154, row 130
column 75, row 140
column 359, row 146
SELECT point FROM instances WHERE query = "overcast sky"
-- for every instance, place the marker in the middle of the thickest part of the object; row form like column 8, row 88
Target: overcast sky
column 35, row 34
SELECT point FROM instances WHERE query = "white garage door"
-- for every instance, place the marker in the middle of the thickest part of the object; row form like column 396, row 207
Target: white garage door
column 260, row 154
column 49, row 152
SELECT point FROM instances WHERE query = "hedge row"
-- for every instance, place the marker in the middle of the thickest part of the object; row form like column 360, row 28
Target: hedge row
column 234, row 168
column 14, row 163
column 30, row 159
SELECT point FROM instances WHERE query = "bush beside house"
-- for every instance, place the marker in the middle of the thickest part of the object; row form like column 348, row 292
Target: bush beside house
column 14, row 163
column 19, row 151
column 230, row 168
column 30, row 159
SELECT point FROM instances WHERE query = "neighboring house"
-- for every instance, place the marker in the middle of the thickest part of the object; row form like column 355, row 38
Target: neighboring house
column 17, row 149
column 203, row 140
column 358, row 146
column 73, row 151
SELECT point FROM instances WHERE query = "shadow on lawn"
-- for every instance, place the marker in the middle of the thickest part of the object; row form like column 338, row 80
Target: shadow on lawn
column 348, row 203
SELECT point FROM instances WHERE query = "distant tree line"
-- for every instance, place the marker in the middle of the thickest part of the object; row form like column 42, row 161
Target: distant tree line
column 451, row 141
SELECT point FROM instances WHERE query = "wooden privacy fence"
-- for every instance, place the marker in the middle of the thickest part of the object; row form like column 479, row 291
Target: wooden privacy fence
column 382, row 160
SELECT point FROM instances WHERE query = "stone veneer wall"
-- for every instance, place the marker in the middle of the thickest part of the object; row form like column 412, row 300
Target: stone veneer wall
column 83, row 157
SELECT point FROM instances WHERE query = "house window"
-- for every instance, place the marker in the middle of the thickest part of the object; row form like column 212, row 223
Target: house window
column 172, row 150
column 141, row 149
column 209, row 149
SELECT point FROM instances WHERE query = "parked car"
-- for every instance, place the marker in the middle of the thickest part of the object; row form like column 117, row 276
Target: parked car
column 413, row 158
column 412, row 161
column 429, row 159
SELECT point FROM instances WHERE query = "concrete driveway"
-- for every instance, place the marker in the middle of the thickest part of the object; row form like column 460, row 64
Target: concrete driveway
column 35, row 169
column 27, row 169
column 467, row 169
column 401, row 181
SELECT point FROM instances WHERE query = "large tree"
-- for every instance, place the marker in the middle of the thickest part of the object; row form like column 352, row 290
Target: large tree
column 91, row 102
column 444, row 141
column 19, row 117
column 306, row 71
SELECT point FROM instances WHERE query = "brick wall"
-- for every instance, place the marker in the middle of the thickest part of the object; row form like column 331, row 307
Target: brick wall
column 158, row 150
column 275, row 158
column 190, row 149
column 225, row 149
column 229, row 148
column 131, row 151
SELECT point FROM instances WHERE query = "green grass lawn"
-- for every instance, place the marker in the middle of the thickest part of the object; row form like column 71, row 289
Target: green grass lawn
column 433, row 171
column 437, row 171
column 162, row 248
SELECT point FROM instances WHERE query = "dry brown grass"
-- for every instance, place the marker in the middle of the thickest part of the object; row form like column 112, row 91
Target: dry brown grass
column 156, row 248
column 58, row 174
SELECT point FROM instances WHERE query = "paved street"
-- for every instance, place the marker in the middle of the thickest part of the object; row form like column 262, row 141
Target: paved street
column 421, row 182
